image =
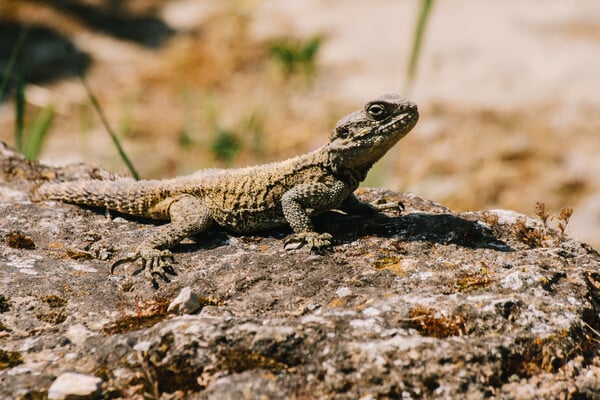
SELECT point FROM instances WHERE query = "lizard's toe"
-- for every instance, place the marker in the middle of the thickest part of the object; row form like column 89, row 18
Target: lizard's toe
column 159, row 263
column 293, row 243
column 154, row 263
column 130, row 258
column 314, row 241
column 381, row 204
column 319, row 241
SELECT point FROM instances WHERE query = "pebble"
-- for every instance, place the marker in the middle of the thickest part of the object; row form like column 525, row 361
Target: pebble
column 186, row 302
column 71, row 385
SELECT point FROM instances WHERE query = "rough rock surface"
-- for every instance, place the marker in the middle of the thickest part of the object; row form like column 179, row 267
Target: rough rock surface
column 414, row 303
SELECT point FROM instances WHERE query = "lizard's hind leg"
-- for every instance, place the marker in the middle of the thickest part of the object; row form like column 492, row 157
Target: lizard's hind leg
column 188, row 217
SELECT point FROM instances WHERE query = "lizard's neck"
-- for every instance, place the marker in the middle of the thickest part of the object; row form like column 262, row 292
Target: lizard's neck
column 351, row 176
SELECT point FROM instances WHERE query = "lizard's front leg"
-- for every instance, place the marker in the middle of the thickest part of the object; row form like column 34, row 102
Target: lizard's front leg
column 352, row 205
column 316, row 196
column 188, row 217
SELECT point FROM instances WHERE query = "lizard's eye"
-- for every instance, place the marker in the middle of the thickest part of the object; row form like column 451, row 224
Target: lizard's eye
column 377, row 111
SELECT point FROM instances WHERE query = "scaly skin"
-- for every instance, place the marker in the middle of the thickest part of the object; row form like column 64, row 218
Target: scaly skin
column 254, row 198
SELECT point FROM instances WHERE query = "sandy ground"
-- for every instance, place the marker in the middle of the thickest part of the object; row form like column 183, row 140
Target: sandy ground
column 508, row 93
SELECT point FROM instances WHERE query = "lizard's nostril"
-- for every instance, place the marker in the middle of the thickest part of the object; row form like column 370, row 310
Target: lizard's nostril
column 409, row 106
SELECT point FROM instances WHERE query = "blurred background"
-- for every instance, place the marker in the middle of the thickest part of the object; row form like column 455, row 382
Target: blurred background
column 509, row 91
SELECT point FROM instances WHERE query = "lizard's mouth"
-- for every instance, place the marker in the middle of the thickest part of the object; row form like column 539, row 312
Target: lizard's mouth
column 401, row 123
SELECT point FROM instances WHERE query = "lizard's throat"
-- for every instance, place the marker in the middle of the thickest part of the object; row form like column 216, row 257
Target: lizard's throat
column 350, row 168
column 352, row 177
column 352, row 164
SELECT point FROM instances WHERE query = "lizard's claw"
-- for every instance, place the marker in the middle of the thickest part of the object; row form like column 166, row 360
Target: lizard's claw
column 155, row 263
column 314, row 241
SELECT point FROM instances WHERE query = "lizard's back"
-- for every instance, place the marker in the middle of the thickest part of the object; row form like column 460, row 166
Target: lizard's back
column 249, row 199
column 242, row 200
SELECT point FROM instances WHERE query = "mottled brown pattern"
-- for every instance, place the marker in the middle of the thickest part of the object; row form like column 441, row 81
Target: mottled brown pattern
column 254, row 198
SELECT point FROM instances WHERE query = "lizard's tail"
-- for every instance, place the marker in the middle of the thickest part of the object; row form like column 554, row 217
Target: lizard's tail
column 122, row 195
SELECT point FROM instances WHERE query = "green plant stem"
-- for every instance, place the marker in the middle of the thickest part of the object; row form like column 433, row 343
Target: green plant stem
column 418, row 41
column 37, row 132
column 110, row 131
column 12, row 60
column 20, row 110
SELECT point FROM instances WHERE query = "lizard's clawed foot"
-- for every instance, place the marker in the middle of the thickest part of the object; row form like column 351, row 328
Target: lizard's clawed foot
column 382, row 204
column 314, row 241
column 155, row 263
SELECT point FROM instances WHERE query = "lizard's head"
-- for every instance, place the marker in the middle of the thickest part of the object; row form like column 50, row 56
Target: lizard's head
column 363, row 137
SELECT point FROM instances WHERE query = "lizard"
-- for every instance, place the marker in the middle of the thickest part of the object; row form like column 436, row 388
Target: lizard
column 250, row 199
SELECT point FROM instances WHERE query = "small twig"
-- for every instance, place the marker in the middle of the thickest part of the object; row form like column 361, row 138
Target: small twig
column 594, row 331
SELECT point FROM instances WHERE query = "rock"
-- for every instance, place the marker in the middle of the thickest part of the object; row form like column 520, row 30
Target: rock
column 74, row 386
column 420, row 303
column 186, row 302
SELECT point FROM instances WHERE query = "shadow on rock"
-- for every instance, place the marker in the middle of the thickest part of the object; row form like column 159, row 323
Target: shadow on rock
column 418, row 226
